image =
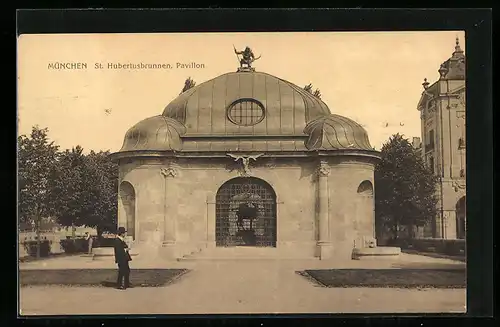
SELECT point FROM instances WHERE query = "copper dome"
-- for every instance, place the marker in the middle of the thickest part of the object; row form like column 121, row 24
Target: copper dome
column 334, row 132
column 157, row 133
column 280, row 117
column 204, row 109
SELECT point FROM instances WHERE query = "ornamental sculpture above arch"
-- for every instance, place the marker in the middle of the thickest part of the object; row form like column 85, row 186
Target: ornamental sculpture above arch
column 245, row 161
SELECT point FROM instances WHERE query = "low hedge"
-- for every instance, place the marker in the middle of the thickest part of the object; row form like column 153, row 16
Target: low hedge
column 442, row 246
column 80, row 245
column 77, row 245
column 104, row 242
column 31, row 247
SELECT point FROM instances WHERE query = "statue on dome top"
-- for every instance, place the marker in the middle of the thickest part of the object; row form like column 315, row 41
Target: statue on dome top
column 247, row 57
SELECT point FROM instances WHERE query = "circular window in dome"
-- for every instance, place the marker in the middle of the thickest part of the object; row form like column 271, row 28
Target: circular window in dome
column 246, row 112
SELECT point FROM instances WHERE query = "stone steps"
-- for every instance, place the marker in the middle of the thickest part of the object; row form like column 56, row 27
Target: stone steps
column 242, row 253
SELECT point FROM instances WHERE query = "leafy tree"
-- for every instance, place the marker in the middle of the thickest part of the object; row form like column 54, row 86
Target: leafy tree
column 189, row 83
column 100, row 199
column 67, row 186
column 405, row 189
column 76, row 189
column 36, row 162
column 85, row 189
column 308, row 88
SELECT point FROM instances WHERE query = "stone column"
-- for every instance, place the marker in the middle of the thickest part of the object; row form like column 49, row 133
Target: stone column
column 168, row 220
column 323, row 199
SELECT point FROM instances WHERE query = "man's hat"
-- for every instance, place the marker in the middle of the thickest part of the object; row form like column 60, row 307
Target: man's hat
column 121, row 230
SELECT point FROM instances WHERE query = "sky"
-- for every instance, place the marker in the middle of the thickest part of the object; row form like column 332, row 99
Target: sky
column 374, row 78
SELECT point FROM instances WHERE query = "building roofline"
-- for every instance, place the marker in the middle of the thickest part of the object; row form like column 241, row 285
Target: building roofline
column 374, row 154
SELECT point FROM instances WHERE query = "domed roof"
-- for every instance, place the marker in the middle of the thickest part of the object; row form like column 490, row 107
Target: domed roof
column 157, row 133
column 454, row 67
column 334, row 132
column 245, row 111
column 245, row 103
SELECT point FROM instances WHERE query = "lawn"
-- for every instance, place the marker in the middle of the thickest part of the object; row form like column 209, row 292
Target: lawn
column 50, row 256
column 98, row 277
column 383, row 278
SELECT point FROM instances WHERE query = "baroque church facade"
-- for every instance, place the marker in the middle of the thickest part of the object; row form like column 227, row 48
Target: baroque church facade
column 442, row 109
column 247, row 159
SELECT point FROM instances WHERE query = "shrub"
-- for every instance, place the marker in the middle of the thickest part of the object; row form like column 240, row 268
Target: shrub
column 31, row 248
column 78, row 245
column 104, row 242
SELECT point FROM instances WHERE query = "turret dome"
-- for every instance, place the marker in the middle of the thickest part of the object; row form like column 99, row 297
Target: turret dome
column 454, row 67
column 157, row 133
column 334, row 132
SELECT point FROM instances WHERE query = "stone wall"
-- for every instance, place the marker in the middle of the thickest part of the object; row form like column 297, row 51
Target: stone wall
column 352, row 213
column 175, row 202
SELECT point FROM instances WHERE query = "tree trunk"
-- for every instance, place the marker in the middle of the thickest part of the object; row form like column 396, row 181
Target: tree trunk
column 411, row 231
column 37, row 233
column 73, row 231
column 99, row 235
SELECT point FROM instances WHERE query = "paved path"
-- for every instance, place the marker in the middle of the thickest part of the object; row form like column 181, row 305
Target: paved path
column 266, row 286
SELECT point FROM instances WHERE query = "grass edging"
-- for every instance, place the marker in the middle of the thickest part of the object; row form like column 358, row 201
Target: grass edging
column 98, row 277
column 435, row 255
column 387, row 278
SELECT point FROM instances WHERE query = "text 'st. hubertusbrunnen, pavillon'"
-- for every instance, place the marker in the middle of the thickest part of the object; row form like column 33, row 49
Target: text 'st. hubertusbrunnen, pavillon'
column 247, row 159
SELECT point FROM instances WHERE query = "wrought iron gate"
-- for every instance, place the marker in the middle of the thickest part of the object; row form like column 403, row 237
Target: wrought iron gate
column 245, row 211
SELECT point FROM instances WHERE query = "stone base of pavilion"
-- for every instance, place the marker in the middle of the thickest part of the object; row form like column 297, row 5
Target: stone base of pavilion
column 106, row 252
column 376, row 253
column 144, row 259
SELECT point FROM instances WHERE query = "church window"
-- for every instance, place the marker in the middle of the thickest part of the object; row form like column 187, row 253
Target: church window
column 431, row 164
column 246, row 112
column 461, row 143
column 430, row 141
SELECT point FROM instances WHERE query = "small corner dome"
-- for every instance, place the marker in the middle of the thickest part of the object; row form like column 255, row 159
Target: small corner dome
column 454, row 67
column 335, row 132
column 157, row 133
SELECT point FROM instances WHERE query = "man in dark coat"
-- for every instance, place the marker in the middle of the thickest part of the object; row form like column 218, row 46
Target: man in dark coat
column 122, row 257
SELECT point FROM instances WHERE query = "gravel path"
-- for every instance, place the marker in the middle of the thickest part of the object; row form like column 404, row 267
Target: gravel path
column 239, row 287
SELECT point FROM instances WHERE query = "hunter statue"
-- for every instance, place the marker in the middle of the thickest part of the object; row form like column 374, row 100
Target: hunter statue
column 247, row 57
column 246, row 210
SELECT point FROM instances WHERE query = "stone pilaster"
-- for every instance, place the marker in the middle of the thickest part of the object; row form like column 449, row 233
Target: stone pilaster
column 168, row 173
column 324, row 244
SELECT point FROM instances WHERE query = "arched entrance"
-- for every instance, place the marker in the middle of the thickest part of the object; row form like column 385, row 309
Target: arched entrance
column 460, row 214
column 127, row 198
column 245, row 213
